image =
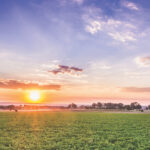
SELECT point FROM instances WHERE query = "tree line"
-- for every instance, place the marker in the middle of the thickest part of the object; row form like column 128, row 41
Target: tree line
column 98, row 105
column 132, row 106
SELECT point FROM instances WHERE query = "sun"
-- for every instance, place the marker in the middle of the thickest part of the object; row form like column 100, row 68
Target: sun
column 34, row 96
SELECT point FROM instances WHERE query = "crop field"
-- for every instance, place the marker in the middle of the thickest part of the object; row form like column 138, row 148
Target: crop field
column 74, row 131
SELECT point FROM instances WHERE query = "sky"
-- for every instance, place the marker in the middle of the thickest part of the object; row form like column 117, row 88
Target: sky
column 80, row 51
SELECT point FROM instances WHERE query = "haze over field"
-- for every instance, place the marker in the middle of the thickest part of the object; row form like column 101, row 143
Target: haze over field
column 82, row 51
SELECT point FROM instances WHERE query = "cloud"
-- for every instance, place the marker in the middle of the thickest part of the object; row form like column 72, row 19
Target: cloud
column 65, row 69
column 99, row 65
column 122, row 36
column 65, row 2
column 135, row 89
column 137, row 75
column 94, row 27
column 14, row 84
column 118, row 30
column 130, row 5
column 78, row 1
column 76, row 69
column 142, row 61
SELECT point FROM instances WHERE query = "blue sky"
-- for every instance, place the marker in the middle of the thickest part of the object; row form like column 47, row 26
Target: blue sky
column 108, row 40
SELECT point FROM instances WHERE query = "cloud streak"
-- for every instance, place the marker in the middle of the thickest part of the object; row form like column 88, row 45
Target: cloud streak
column 143, row 61
column 130, row 5
column 14, row 84
column 78, row 1
column 135, row 89
column 65, row 69
column 118, row 30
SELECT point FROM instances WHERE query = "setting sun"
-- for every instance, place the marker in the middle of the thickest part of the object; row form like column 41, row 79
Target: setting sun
column 34, row 96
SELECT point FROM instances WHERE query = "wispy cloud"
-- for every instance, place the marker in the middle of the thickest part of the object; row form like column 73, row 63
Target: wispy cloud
column 137, row 75
column 130, row 5
column 119, row 30
column 65, row 2
column 135, row 89
column 15, row 84
column 78, row 1
column 94, row 27
column 143, row 61
column 123, row 36
column 65, row 69
column 99, row 66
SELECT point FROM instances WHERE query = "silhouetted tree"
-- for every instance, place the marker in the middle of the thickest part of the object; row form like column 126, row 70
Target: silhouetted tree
column 94, row 105
column 11, row 107
column 120, row 106
column 109, row 105
column 99, row 105
column 148, row 106
column 128, row 107
column 72, row 105
column 82, row 107
column 135, row 105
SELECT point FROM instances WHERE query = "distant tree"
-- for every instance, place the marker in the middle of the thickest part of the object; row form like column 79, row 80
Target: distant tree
column 11, row 107
column 88, row 107
column 94, row 105
column 120, row 106
column 72, row 105
column 135, row 105
column 148, row 106
column 82, row 107
column 2, row 107
column 99, row 105
column 128, row 107
column 109, row 105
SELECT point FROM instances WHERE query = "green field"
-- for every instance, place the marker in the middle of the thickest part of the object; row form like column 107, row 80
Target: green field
column 74, row 130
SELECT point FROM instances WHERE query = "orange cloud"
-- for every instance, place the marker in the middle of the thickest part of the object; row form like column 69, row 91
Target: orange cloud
column 143, row 61
column 14, row 84
column 65, row 69
column 135, row 89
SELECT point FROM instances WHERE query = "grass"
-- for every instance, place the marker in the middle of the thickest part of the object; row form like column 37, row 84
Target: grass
column 74, row 131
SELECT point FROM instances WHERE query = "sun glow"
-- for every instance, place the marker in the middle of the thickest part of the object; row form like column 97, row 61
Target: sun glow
column 34, row 96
